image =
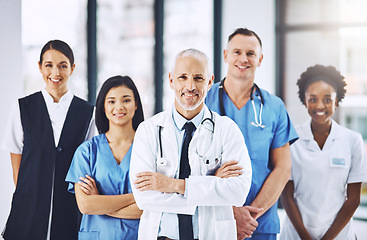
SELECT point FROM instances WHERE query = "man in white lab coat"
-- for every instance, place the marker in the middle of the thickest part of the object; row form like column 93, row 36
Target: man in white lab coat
column 187, row 187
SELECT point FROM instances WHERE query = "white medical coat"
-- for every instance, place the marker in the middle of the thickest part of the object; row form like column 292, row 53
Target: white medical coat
column 320, row 178
column 213, row 196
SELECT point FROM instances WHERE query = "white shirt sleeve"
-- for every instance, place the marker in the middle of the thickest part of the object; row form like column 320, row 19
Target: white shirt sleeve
column 358, row 170
column 13, row 138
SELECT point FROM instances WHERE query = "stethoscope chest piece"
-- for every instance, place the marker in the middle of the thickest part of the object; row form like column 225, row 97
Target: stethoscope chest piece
column 258, row 125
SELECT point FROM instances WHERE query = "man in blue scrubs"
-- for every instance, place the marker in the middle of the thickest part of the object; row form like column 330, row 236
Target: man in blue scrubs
column 267, row 130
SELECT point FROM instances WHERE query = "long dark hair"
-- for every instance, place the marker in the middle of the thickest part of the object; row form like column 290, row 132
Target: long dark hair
column 102, row 122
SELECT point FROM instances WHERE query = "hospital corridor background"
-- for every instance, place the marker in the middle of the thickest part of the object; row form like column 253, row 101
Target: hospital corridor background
column 140, row 39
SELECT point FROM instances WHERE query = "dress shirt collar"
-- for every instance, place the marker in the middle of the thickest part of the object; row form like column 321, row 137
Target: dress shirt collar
column 65, row 100
column 180, row 121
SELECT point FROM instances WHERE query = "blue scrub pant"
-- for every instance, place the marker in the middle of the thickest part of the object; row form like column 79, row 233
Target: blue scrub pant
column 262, row 236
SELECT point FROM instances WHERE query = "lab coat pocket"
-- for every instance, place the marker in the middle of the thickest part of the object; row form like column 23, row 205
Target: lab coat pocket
column 213, row 165
column 165, row 167
column 88, row 235
column 339, row 168
column 225, row 230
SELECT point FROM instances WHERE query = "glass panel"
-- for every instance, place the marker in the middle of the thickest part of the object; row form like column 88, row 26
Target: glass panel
column 326, row 11
column 125, row 38
column 305, row 49
column 353, row 53
column 311, row 11
column 195, row 21
column 353, row 11
column 41, row 23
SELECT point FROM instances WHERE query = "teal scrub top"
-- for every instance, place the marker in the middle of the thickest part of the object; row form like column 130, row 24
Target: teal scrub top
column 94, row 158
column 277, row 132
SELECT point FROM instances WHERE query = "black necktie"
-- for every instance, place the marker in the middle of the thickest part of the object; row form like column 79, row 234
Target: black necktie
column 185, row 221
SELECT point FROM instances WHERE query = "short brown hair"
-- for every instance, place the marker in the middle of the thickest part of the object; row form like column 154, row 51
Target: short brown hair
column 246, row 32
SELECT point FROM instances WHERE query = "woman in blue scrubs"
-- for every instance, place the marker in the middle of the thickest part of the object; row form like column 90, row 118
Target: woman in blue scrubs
column 99, row 173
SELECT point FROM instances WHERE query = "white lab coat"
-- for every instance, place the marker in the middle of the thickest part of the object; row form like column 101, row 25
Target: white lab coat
column 214, row 196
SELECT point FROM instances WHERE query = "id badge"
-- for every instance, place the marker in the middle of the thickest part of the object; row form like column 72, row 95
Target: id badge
column 337, row 162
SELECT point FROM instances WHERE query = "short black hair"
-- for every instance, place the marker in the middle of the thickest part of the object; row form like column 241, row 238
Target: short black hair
column 60, row 46
column 246, row 32
column 102, row 122
column 327, row 74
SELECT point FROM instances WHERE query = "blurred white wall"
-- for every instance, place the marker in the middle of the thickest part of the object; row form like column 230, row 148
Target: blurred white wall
column 11, row 88
column 258, row 16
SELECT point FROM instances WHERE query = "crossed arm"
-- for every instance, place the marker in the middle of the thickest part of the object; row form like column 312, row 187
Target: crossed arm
column 91, row 202
column 159, row 190
column 159, row 182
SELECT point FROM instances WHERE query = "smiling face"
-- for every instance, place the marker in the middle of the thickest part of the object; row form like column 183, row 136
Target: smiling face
column 56, row 70
column 243, row 55
column 321, row 102
column 191, row 81
column 120, row 106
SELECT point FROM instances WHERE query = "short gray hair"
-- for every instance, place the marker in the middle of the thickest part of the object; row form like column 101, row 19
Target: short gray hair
column 195, row 53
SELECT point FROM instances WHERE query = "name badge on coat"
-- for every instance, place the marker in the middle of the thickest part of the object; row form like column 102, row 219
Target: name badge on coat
column 337, row 162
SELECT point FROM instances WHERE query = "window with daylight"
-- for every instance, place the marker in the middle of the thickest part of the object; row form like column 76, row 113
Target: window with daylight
column 41, row 23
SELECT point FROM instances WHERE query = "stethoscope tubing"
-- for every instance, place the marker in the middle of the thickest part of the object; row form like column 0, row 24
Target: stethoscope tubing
column 258, row 122
column 202, row 122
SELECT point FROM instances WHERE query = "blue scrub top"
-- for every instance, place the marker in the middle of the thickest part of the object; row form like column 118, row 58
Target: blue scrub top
column 94, row 158
column 259, row 141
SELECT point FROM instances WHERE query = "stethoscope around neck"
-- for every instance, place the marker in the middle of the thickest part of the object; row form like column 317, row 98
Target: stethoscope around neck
column 163, row 162
column 258, row 122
